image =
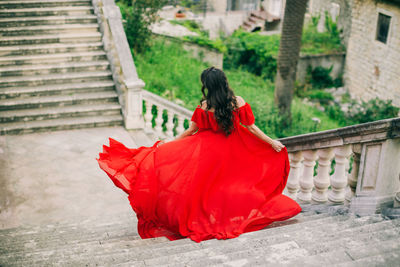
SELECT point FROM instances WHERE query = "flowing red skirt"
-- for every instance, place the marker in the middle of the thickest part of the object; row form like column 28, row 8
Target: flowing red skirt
column 203, row 186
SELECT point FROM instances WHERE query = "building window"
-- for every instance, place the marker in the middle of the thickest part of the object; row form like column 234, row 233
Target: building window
column 382, row 29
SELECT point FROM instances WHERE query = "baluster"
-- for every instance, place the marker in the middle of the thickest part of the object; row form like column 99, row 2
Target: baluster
column 339, row 177
column 353, row 177
column 306, row 180
column 170, row 124
column 292, row 185
column 148, row 116
column 179, row 128
column 322, row 181
column 159, row 121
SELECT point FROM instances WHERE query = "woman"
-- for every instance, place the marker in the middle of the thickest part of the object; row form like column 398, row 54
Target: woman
column 222, row 177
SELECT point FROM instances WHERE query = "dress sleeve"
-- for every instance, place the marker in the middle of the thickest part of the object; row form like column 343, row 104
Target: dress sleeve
column 246, row 115
column 196, row 117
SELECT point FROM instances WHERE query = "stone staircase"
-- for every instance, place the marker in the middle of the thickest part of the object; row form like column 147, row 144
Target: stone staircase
column 257, row 19
column 333, row 238
column 54, row 73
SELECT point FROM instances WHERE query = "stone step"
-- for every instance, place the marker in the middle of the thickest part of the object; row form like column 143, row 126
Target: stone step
column 59, row 100
column 385, row 259
column 46, row 49
column 56, row 89
column 51, row 20
column 48, row 234
column 61, row 124
column 10, row 73
column 59, row 112
column 262, row 239
column 56, row 256
column 51, row 39
column 39, row 4
column 255, row 251
column 96, row 224
column 53, row 79
column 40, row 244
column 53, row 58
column 117, row 255
column 49, row 29
column 366, row 252
column 47, row 11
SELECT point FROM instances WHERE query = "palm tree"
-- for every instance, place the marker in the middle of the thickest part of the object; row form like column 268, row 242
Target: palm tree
column 288, row 56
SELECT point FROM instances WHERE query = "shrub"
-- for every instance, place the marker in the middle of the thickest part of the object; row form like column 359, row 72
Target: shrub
column 253, row 52
column 138, row 16
column 322, row 96
column 320, row 77
column 372, row 110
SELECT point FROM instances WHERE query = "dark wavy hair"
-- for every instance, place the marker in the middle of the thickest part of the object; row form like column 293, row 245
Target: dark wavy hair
column 219, row 96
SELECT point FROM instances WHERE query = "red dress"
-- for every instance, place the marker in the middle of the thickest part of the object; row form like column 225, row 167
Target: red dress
column 207, row 185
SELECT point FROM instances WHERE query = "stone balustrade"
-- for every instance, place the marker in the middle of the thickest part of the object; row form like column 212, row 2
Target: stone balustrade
column 320, row 164
column 174, row 120
column 128, row 85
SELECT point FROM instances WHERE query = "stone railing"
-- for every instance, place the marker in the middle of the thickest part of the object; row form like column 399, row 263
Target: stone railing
column 373, row 149
column 173, row 119
column 123, row 69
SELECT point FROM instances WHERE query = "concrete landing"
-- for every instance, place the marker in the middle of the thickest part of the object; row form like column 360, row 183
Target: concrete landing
column 53, row 177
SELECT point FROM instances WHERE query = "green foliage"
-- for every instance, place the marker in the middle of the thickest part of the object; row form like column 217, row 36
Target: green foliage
column 322, row 96
column 372, row 110
column 320, row 77
column 253, row 52
column 258, row 53
column 314, row 42
column 366, row 111
column 138, row 16
column 205, row 41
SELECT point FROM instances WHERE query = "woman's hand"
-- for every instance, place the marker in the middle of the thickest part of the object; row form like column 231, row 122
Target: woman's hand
column 161, row 143
column 278, row 146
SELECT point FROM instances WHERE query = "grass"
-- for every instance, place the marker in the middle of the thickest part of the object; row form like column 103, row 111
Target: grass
column 173, row 73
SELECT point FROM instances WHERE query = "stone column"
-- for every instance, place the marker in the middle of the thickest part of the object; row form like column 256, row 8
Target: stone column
column 292, row 185
column 339, row 177
column 352, row 179
column 378, row 178
column 306, row 180
column 134, row 105
column 128, row 84
column 321, row 181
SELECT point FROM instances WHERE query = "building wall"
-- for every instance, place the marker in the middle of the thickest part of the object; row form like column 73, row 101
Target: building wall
column 218, row 5
column 372, row 67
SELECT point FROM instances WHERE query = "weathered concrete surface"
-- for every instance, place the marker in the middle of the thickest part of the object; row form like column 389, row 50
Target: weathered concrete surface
column 54, row 177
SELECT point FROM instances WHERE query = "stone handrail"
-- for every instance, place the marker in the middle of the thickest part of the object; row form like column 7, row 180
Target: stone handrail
column 123, row 69
column 176, row 115
column 374, row 149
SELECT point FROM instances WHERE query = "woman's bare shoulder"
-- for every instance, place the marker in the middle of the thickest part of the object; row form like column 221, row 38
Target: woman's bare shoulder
column 203, row 104
column 240, row 101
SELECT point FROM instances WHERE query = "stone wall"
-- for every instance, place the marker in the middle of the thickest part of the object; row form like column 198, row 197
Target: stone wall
column 206, row 54
column 336, row 60
column 372, row 67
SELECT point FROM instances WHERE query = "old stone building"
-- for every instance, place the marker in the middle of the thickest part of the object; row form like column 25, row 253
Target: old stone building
column 373, row 52
column 371, row 32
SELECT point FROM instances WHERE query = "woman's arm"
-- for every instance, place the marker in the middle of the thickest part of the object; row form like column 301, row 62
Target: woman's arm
column 191, row 130
column 257, row 132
